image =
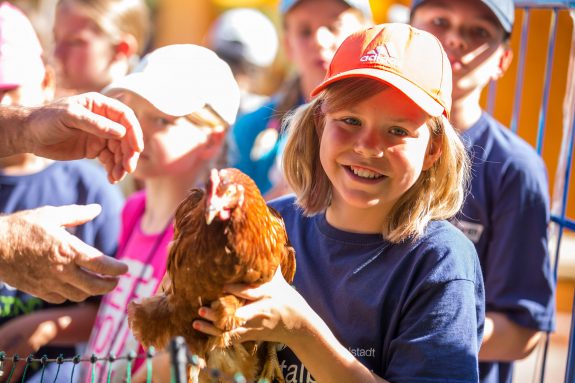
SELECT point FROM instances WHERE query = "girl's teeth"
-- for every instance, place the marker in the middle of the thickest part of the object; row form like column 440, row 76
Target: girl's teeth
column 364, row 173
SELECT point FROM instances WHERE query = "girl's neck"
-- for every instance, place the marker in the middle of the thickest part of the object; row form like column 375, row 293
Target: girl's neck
column 163, row 195
column 356, row 220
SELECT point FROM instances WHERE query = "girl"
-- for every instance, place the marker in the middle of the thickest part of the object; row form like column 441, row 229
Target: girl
column 385, row 288
column 98, row 41
column 185, row 98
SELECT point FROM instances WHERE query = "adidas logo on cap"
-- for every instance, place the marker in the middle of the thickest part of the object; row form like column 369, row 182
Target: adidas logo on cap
column 382, row 54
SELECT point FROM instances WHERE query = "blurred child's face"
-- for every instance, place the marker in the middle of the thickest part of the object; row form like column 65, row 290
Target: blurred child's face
column 374, row 151
column 170, row 143
column 314, row 29
column 84, row 53
column 472, row 38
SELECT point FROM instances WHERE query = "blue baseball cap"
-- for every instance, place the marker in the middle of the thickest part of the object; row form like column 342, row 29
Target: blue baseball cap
column 504, row 10
column 362, row 5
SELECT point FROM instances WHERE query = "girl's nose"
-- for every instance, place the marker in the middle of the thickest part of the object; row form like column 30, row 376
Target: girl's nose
column 455, row 39
column 369, row 146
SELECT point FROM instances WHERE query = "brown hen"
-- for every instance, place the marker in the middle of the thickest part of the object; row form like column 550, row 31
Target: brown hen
column 226, row 234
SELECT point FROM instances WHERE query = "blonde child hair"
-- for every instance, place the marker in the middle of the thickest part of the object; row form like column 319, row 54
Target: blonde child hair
column 438, row 193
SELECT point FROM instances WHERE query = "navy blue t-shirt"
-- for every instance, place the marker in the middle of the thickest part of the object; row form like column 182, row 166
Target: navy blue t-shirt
column 411, row 312
column 61, row 183
column 506, row 216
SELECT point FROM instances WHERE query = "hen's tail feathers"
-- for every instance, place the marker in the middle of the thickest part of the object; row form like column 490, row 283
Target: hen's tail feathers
column 149, row 321
column 271, row 369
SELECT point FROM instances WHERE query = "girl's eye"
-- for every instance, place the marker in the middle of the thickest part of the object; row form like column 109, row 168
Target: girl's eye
column 398, row 131
column 439, row 22
column 161, row 121
column 480, row 32
column 351, row 121
column 304, row 32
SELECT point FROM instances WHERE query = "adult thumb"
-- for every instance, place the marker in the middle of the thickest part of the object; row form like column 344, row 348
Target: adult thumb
column 74, row 215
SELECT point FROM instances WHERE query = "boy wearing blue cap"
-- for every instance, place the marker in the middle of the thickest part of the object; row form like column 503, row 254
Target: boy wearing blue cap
column 507, row 211
column 312, row 31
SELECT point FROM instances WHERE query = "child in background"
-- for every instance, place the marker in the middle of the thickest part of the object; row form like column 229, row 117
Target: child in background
column 98, row 41
column 27, row 323
column 385, row 288
column 248, row 41
column 312, row 31
column 185, row 98
column 507, row 212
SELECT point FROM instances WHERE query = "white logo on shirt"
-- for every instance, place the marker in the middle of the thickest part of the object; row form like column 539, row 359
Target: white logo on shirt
column 471, row 230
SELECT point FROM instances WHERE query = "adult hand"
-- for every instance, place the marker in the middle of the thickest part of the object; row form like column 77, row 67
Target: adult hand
column 88, row 125
column 38, row 255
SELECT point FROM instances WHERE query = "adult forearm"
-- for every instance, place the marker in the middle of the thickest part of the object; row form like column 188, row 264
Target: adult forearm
column 13, row 130
column 6, row 250
column 327, row 360
column 505, row 340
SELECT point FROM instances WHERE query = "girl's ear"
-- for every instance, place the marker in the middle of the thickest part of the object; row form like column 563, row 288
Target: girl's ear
column 127, row 47
column 214, row 143
column 504, row 63
column 432, row 153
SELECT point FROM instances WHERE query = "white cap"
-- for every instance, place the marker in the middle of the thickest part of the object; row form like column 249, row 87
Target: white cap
column 182, row 78
column 245, row 33
column 20, row 50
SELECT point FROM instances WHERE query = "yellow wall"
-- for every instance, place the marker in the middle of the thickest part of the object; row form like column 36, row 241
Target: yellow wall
column 182, row 21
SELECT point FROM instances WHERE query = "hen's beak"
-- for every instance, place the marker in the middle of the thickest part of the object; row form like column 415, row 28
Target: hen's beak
column 215, row 207
column 211, row 214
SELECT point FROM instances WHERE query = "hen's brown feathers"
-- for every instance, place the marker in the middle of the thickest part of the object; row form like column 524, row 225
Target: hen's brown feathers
column 245, row 243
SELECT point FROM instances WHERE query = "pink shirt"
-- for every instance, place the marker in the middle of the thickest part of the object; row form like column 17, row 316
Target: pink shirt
column 146, row 257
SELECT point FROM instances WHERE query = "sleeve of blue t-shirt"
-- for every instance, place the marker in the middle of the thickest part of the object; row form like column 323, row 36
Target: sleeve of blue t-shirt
column 443, row 306
column 518, row 247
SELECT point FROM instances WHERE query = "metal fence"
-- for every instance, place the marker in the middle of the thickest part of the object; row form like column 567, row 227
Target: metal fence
column 557, row 12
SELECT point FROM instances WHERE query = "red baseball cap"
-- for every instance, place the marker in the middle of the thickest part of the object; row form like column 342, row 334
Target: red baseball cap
column 409, row 59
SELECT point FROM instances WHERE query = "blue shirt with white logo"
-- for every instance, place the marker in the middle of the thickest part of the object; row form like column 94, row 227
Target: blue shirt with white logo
column 411, row 312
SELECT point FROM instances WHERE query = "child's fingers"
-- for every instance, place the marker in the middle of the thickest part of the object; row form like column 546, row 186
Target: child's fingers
column 207, row 314
column 206, row 327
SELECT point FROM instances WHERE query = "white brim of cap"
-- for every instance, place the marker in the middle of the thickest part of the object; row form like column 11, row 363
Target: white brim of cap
column 421, row 98
column 175, row 100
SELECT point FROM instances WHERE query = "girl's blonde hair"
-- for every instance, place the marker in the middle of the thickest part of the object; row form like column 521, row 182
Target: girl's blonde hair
column 437, row 194
column 117, row 17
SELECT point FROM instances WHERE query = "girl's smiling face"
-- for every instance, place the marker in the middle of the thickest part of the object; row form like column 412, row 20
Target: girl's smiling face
column 375, row 150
